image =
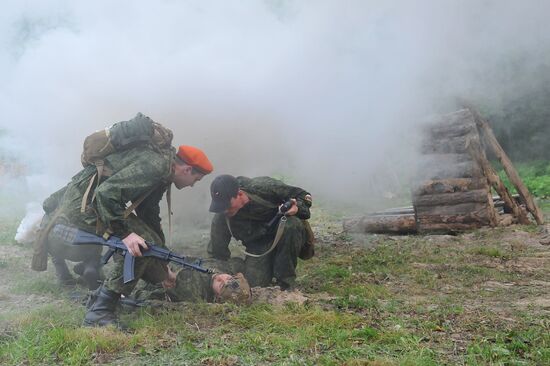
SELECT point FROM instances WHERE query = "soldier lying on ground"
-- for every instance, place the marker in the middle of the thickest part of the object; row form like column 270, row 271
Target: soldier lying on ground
column 243, row 208
column 193, row 286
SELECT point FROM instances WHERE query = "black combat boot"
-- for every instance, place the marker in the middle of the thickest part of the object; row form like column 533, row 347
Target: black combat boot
column 101, row 309
column 64, row 277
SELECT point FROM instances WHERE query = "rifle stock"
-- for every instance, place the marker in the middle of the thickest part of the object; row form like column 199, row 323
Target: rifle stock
column 115, row 245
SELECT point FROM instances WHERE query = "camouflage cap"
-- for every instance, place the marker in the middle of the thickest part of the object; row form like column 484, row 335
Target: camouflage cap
column 236, row 290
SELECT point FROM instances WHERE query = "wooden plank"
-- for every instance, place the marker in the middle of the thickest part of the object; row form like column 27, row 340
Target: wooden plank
column 446, row 199
column 492, row 142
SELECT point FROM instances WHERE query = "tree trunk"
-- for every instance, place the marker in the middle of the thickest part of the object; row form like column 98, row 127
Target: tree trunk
column 389, row 224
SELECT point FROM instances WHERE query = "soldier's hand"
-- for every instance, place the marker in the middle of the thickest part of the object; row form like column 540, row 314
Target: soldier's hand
column 170, row 280
column 294, row 209
column 133, row 242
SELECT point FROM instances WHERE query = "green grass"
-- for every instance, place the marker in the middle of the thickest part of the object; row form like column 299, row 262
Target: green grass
column 8, row 228
column 535, row 175
column 408, row 301
column 492, row 252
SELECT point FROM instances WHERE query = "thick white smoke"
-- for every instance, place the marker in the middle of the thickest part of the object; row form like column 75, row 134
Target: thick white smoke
column 327, row 93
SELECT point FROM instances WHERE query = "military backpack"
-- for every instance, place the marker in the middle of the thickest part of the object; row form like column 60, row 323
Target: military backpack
column 140, row 130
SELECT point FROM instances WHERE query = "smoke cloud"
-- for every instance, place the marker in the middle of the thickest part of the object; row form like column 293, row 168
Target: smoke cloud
column 325, row 93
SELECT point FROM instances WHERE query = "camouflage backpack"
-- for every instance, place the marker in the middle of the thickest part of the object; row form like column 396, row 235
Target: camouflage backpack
column 140, row 130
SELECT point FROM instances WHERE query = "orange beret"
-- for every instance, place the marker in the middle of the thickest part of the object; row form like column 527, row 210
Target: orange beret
column 196, row 158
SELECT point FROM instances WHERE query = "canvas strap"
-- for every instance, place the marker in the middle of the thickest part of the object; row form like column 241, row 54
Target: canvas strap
column 101, row 172
column 278, row 236
column 137, row 202
column 87, row 193
column 170, row 213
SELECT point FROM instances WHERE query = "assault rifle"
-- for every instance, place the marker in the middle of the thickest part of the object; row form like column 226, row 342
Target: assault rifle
column 115, row 244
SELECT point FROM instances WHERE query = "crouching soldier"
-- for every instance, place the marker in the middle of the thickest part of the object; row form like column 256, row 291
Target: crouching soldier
column 96, row 201
column 245, row 209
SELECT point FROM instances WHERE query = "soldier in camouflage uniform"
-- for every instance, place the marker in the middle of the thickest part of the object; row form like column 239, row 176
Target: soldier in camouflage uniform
column 243, row 207
column 141, row 173
column 194, row 286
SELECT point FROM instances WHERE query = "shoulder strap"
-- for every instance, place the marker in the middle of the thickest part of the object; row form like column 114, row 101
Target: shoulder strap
column 137, row 202
column 101, row 172
column 170, row 213
column 87, row 193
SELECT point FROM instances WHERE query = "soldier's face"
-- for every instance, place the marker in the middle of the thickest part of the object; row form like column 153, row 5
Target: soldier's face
column 185, row 176
column 236, row 204
column 219, row 281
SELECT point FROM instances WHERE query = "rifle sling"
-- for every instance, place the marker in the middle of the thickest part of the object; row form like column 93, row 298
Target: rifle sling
column 278, row 236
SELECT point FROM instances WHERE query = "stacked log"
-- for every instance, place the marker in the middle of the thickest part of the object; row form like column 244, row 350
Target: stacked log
column 382, row 224
column 453, row 192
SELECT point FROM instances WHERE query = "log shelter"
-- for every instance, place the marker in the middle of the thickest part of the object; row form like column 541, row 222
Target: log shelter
column 454, row 183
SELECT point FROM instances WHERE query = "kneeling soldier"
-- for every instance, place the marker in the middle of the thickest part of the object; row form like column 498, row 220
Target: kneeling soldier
column 245, row 208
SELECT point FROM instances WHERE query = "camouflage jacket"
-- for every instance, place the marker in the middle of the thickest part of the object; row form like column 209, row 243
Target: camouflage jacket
column 132, row 173
column 250, row 223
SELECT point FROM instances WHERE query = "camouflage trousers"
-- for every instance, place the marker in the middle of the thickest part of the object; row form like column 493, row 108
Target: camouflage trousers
column 281, row 262
column 60, row 249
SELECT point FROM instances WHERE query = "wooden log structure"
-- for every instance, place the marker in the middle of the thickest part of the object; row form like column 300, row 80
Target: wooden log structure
column 454, row 180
